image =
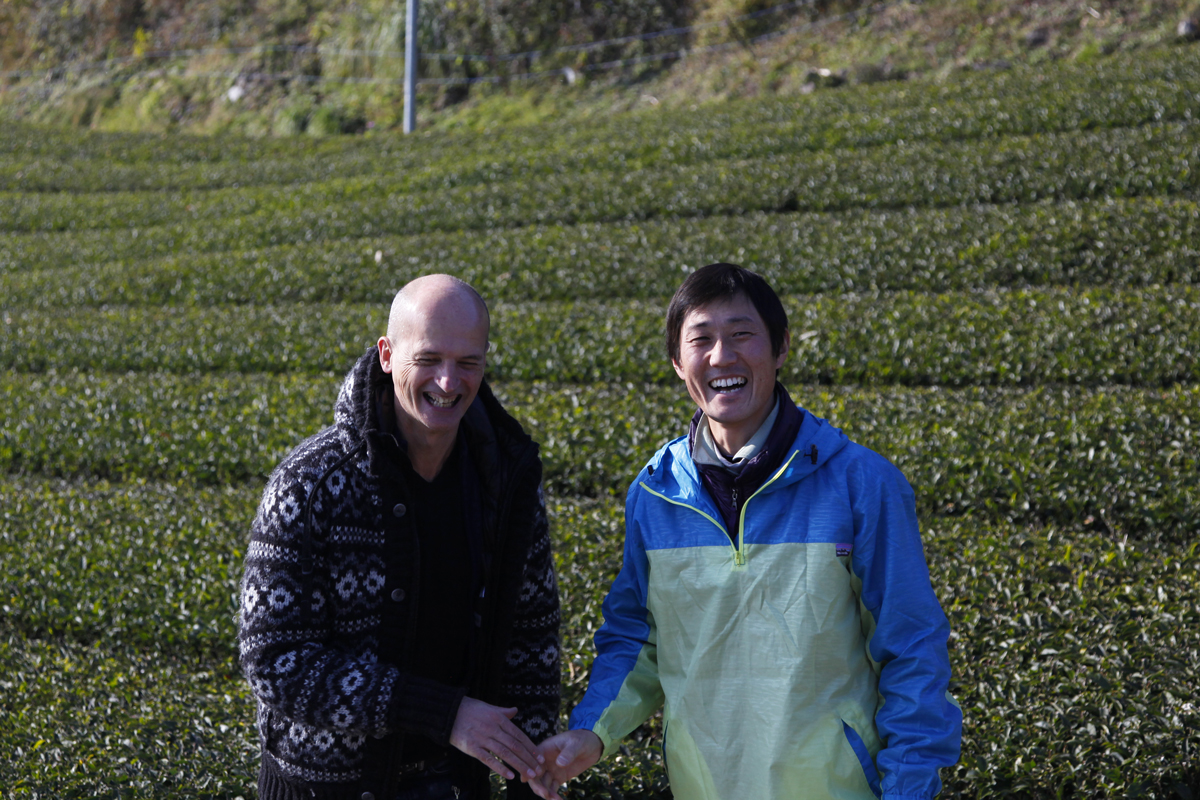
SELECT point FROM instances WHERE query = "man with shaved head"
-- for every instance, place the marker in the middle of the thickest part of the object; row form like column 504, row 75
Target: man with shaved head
column 399, row 614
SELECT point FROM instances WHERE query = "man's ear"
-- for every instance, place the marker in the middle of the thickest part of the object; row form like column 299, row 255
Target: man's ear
column 783, row 351
column 385, row 353
column 678, row 369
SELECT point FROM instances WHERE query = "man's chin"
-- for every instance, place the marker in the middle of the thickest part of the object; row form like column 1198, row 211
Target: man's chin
column 442, row 420
column 726, row 410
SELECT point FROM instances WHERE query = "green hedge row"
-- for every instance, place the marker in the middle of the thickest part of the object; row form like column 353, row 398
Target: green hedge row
column 205, row 429
column 1117, row 459
column 1065, row 99
column 940, row 249
column 1071, row 650
column 1073, row 659
column 91, row 721
column 1124, row 162
column 1142, row 337
column 1124, row 459
column 151, row 566
column 609, row 148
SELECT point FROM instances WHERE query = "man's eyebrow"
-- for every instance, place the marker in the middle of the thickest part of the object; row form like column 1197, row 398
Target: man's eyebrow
column 440, row 354
column 704, row 323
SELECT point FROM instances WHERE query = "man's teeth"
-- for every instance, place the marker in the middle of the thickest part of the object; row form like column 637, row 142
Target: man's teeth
column 722, row 384
column 441, row 402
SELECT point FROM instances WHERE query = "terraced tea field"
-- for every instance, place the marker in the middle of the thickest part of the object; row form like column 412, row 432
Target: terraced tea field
column 994, row 281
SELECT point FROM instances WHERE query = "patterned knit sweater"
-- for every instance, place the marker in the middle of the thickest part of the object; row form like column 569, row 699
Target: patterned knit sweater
column 329, row 596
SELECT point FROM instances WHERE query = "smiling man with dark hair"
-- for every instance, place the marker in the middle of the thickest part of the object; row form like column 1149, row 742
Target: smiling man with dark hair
column 399, row 616
column 774, row 597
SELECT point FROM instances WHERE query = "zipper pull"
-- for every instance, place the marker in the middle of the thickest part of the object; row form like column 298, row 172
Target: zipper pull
column 739, row 558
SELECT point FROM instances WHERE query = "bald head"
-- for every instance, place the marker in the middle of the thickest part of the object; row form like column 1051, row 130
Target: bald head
column 435, row 351
column 442, row 297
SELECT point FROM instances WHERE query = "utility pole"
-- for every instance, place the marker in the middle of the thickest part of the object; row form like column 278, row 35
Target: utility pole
column 410, row 67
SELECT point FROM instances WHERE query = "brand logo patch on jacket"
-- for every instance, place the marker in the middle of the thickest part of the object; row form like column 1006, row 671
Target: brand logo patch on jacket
column 844, row 550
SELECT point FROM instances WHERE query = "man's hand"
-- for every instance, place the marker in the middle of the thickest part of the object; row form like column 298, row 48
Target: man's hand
column 567, row 755
column 486, row 732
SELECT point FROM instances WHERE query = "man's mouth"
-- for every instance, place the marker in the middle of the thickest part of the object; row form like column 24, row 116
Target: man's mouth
column 442, row 402
column 724, row 385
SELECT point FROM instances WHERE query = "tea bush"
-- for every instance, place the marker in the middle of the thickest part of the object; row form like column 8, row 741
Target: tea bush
column 1150, row 160
column 92, row 721
column 1141, row 337
column 1055, row 454
column 920, row 249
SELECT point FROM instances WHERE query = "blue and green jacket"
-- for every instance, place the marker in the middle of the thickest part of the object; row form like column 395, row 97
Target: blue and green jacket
column 803, row 658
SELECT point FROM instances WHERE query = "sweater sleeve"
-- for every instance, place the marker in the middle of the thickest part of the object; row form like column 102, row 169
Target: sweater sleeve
column 533, row 674
column 532, row 678
column 919, row 722
column 286, row 632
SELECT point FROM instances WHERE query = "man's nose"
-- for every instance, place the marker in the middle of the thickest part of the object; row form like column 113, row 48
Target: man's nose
column 721, row 353
column 446, row 379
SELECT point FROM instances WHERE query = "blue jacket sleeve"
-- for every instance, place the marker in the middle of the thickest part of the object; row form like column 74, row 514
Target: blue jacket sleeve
column 919, row 722
column 623, row 688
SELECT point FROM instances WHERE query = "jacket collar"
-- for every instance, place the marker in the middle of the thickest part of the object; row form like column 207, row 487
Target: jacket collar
column 673, row 473
column 758, row 468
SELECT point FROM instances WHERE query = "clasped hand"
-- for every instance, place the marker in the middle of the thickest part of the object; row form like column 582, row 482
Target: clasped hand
column 565, row 756
column 487, row 733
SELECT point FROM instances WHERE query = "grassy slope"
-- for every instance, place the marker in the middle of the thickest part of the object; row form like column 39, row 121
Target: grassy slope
column 919, row 41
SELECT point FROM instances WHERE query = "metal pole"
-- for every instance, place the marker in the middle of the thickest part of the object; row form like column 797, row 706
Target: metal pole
column 410, row 67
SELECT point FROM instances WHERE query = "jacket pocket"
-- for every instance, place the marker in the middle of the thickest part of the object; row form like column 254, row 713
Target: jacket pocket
column 864, row 757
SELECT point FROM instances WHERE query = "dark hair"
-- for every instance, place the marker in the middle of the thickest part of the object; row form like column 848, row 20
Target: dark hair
column 722, row 281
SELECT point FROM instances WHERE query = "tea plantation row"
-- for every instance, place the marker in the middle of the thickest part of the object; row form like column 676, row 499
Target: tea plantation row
column 1130, row 92
column 1142, row 337
column 1061, row 634
column 1121, row 458
column 1152, row 160
column 1132, row 242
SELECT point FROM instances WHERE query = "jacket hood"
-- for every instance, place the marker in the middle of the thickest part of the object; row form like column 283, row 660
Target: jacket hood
column 353, row 411
column 486, row 424
column 672, row 471
column 491, row 434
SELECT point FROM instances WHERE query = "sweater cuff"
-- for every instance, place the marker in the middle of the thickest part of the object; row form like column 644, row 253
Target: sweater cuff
column 425, row 707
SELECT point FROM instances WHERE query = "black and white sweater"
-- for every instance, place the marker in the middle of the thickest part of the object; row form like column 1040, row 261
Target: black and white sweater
column 329, row 596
